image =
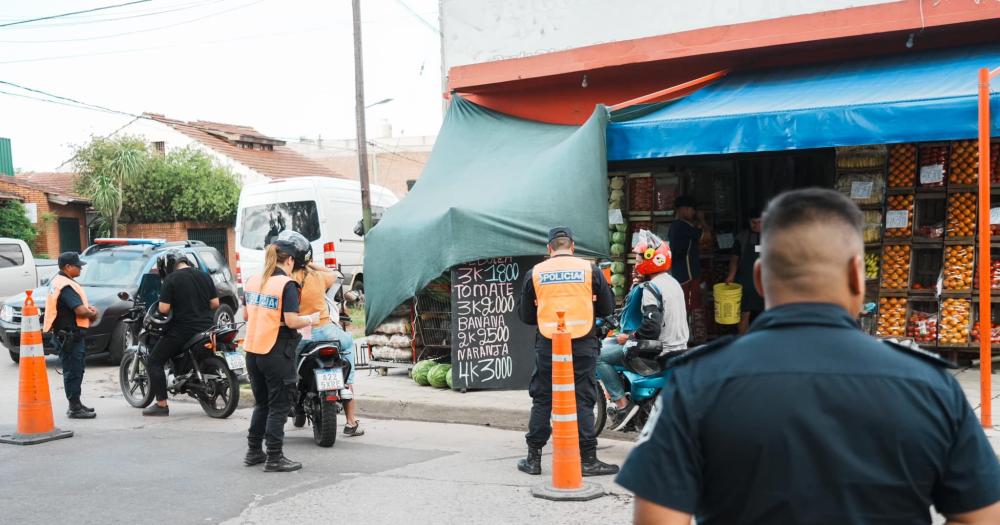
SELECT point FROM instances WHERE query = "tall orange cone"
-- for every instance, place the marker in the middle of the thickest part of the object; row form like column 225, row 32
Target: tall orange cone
column 567, row 473
column 34, row 407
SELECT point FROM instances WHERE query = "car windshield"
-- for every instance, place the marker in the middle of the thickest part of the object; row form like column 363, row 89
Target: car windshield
column 112, row 268
column 261, row 224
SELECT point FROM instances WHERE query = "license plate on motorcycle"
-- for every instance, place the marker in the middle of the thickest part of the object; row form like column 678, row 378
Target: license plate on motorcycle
column 329, row 379
column 236, row 360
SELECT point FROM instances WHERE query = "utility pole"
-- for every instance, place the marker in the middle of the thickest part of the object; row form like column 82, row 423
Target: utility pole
column 359, row 109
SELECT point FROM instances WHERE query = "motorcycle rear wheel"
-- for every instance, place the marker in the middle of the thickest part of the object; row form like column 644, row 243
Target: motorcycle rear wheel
column 600, row 409
column 325, row 423
column 136, row 390
column 223, row 388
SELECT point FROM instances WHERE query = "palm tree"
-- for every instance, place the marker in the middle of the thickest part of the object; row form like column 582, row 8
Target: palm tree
column 105, row 165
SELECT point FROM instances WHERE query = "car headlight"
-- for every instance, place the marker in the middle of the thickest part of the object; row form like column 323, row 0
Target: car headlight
column 7, row 314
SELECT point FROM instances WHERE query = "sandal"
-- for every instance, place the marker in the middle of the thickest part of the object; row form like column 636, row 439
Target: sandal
column 354, row 431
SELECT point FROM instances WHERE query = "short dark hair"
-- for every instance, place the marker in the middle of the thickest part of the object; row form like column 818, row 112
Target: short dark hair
column 561, row 243
column 810, row 205
column 684, row 201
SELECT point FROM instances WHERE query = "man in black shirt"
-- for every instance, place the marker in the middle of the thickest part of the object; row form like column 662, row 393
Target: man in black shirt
column 684, row 237
column 190, row 295
column 806, row 419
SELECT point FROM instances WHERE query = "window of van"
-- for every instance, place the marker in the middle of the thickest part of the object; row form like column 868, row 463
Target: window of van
column 11, row 255
column 263, row 223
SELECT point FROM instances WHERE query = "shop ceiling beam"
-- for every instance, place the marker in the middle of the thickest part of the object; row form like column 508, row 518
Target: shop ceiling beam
column 985, row 278
column 673, row 91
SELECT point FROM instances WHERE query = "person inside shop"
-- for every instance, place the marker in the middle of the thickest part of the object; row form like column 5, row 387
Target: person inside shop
column 189, row 296
column 660, row 314
column 68, row 326
column 315, row 280
column 685, row 237
column 746, row 251
column 271, row 310
column 577, row 287
column 807, row 419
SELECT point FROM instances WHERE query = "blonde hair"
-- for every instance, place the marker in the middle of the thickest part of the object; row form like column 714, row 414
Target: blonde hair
column 273, row 257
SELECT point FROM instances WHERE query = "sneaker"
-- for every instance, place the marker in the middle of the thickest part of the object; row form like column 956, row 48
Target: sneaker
column 622, row 416
column 354, row 431
column 155, row 410
column 79, row 413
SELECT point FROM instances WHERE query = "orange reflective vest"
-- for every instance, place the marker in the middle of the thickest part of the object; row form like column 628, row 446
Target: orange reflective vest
column 564, row 283
column 52, row 301
column 263, row 304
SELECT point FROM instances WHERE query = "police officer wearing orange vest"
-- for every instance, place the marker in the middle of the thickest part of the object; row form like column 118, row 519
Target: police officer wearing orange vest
column 570, row 284
column 68, row 315
column 272, row 314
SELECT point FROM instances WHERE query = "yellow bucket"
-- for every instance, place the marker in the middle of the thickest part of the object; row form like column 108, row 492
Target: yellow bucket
column 727, row 303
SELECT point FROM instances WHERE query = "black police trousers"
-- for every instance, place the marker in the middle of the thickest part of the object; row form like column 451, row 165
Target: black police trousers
column 72, row 351
column 272, row 380
column 540, row 389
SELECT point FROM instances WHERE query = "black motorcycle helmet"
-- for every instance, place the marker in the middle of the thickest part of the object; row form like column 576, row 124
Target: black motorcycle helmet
column 166, row 263
column 296, row 245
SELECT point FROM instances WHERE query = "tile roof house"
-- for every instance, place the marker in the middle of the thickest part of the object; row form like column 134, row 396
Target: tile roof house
column 58, row 212
column 251, row 155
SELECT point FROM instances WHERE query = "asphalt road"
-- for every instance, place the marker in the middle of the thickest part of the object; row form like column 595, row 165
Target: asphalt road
column 123, row 468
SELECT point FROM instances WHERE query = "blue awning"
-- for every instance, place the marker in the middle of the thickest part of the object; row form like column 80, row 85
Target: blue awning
column 911, row 97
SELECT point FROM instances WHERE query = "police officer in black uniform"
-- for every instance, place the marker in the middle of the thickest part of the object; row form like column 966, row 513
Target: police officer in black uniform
column 585, row 351
column 806, row 419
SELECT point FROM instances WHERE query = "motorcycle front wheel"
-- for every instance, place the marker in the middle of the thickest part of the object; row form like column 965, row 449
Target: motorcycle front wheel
column 133, row 377
column 325, row 422
column 222, row 388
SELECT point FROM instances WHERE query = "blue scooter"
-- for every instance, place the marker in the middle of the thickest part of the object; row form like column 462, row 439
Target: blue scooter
column 642, row 377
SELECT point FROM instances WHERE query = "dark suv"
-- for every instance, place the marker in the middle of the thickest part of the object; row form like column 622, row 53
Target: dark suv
column 116, row 265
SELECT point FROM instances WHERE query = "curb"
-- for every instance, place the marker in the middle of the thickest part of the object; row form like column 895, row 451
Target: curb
column 509, row 419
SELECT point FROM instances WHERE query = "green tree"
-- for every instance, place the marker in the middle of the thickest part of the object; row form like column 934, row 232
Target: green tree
column 14, row 223
column 106, row 165
column 185, row 184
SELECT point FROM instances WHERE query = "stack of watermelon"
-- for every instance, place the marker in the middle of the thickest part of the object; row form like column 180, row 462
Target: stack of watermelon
column 619, row 250
column 430, row 372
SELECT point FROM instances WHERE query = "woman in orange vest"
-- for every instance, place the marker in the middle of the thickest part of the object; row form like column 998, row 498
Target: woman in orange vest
column 271, row 310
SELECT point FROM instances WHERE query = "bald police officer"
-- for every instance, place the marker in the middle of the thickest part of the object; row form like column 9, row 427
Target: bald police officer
column 806, row 419
column 572, row 285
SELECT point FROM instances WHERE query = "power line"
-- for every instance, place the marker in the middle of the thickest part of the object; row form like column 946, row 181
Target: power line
column 137, row 31
column 50, row 17
column 418, row 17
column 160, row 12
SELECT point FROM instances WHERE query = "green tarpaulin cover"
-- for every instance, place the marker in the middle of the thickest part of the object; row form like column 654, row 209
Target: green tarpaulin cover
column 493, row 187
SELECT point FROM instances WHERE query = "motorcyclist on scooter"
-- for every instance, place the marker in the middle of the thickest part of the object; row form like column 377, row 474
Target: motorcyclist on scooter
column 662, row 329
column 190, row 297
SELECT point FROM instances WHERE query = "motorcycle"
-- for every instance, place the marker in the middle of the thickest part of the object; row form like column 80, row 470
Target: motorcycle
column 643, row 380
column 199, row 371
column 321, row 387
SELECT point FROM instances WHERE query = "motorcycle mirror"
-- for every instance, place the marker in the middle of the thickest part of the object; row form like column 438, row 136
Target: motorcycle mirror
column 123, row 296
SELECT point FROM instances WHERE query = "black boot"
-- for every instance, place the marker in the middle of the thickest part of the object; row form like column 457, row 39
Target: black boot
column 533, row 463
column 85, row 407
column 255, row 453
column 78, row 411
column 595, row 467
column 277, row 462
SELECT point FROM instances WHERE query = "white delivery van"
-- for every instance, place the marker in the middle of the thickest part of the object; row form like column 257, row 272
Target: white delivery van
column 323, row 209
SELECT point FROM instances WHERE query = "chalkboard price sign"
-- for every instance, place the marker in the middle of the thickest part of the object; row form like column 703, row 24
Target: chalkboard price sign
column 491, row 347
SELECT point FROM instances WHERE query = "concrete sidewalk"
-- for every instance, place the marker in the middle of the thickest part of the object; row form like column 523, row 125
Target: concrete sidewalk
column 396, row 396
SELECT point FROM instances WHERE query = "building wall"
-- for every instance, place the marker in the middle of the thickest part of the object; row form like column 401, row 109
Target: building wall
column 392, row 161
column 178, row 231
column 47, row 241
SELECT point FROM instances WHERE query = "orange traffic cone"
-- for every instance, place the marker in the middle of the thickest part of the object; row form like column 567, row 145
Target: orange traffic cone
column 34, row 407
column 567, row 472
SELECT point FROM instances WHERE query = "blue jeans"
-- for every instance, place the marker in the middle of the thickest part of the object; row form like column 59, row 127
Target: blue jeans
column 333, row 332
column 72, row 354
column 612, row 354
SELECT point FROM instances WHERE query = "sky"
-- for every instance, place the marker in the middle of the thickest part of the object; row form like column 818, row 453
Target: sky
column 284, row 67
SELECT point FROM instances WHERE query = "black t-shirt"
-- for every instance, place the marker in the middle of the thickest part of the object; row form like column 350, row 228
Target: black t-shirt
column 684, row 240
column 65, row 306
column 805, row 419
column 189, row 291
column 290, row 296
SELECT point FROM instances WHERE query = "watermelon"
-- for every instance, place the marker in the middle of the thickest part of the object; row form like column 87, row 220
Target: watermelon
column 620, row 227
column 617, row 249
column 619, row 291
column 618, row 267
column 618, row 280
column 437, row 376
column 448, row 379
column 618, row 238
column 420, row 370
